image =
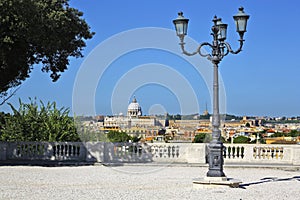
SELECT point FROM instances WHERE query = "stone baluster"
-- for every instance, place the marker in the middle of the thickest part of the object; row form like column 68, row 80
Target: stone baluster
column 233, row 152
column 281, row 152
column 255, row 152
column 177, row 151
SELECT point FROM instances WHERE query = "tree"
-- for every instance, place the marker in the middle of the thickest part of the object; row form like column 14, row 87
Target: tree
column 294, row 133
column 116, row 136
column 3, row 116
column 135, row 139
column 45, row 32
column 174, row 117
column 202, row 138
column 261, row 137
column 241, row 139
column 278, row 134
column 90, row 132
column 33, row 122
column 204, row 116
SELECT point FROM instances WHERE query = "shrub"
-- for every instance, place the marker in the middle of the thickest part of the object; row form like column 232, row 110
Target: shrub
column 202, row 138
column 39, row 122
column 241, row 139
column 116, row 136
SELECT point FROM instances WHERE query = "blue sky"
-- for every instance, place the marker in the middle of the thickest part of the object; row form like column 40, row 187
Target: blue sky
column 260, row 81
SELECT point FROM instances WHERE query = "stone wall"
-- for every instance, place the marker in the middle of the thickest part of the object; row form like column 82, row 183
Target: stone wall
column 190, row 153
column 43, row 151
column 260, row 154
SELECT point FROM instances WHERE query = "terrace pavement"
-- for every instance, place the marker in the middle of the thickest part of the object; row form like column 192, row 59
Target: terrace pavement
column 144, row 181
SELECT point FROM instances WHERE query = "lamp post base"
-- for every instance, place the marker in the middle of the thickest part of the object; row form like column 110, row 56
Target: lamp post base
column 215, row 182
column 216, row 160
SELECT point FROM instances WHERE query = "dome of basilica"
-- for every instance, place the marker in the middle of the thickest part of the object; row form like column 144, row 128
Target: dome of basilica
column 134, row 109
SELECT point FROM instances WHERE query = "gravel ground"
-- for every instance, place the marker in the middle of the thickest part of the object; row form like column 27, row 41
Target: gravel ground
column 142, row 182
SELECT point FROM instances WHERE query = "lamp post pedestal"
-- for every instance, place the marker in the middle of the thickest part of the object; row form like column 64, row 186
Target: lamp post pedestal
column 215, row 160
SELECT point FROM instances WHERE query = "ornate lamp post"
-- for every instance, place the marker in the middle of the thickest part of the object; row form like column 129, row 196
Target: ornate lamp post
column 219, row 49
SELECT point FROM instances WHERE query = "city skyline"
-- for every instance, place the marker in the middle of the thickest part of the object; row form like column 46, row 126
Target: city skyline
column 260, row 81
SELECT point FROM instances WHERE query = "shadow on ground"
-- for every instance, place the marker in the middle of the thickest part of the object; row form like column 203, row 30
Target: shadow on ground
column 269, row 179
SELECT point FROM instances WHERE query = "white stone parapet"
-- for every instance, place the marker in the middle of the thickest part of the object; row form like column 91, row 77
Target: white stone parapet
column 189, row 153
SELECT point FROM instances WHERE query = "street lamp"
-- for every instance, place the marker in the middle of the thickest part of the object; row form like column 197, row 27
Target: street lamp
column 219, row 49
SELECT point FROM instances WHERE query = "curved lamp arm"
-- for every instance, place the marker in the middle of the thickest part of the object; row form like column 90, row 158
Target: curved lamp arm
column 229, row 49
column 205, row 55
column 198, row 50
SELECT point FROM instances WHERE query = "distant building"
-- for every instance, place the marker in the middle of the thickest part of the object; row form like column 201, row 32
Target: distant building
column 205, row 113
column 134, row 109
column 133, row 121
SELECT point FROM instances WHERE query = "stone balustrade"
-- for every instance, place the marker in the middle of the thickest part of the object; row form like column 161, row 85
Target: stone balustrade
column 43, row 151
column 191, row 153
column 261, row 154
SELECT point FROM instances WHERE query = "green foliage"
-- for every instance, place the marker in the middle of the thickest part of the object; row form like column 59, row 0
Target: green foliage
column 204, row 116
column 135, row 139
column 44, row 32
column 202, row 138
column 278, row 134
column 224, row 140
column 2, row 119
column 231, row 117
column 294, row 133
column 261, row 137
column 32, row 122
column 174, row 117
column 88, row 133
column 116, row 136
column 241, row 139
